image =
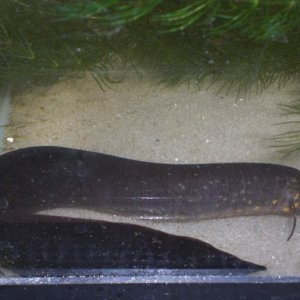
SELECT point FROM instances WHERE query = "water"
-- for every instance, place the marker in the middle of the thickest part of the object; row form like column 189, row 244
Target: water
column 179, row 100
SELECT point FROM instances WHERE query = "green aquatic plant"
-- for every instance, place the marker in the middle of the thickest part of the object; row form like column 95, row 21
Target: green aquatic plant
column 288, row 142
column 263, row 20
column 242, row 46
column 35, row 48
column 237, row 64
column 107, row 12
column 42, row 41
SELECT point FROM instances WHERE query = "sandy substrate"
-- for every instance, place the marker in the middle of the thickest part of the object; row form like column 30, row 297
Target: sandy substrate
column 140, row 120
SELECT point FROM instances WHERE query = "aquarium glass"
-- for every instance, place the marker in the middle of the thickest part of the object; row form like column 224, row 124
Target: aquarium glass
column 167, row 82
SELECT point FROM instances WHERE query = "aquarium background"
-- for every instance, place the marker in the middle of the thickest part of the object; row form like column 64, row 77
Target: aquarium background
column 162, row 81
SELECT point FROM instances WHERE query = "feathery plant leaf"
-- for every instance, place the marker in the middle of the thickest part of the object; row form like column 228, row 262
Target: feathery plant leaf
column 288, row 142
column 261, row 20
column 46, row 40
column 108, row 12
column 34, row 47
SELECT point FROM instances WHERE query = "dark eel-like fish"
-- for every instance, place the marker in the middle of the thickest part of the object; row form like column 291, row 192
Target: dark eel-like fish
column 39, row 178
column 42, row 242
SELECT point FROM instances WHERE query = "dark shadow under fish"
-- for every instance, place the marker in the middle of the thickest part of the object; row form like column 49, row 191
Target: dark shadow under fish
column 42, row 242
column 39, row 178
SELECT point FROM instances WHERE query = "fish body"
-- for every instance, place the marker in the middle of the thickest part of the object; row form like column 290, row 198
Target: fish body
column 43, row 242
column 40, row 178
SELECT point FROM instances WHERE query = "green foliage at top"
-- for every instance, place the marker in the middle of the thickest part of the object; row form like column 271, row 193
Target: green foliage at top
column 247, row 45
column 258, row 19
column 242, row 45
column 239, row 65
column 35, row 47
column 107, row 12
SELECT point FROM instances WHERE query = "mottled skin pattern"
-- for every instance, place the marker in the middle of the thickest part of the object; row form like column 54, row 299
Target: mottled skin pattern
column 53, row 242
column 39, row 178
